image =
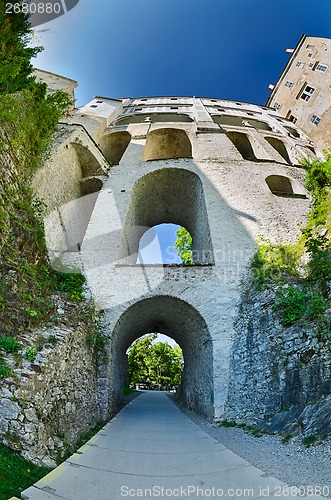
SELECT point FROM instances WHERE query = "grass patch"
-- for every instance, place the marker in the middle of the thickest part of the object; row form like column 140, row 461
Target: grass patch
column 16, row 473
column 309, row 441
column 128, row 390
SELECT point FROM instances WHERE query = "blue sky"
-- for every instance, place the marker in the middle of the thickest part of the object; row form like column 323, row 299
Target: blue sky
column 230, row 49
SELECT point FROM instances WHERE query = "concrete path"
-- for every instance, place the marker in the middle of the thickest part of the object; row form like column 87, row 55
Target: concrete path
column 152, row 450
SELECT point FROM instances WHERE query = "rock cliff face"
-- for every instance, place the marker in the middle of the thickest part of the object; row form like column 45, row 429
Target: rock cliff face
column 48, row 403
column 276, row 368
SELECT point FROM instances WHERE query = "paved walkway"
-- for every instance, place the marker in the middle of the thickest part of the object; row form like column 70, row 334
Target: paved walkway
column 152, row 450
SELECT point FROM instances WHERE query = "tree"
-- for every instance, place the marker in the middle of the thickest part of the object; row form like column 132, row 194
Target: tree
column 154, row 363
column 184, row 245
column 15, row 54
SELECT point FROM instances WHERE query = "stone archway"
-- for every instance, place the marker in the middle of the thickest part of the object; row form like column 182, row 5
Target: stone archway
column 179, row 320
column 167, row 195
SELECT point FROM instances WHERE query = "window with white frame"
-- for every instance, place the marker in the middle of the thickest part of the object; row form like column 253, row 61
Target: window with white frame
column 310, row 54
column 315, row 119
column 321, row 67
column 307, row 93
column 277, row 106
column 289, row 84
column 300, row 64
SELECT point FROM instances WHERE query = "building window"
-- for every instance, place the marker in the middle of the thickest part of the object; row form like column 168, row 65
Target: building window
column 99, row 102
column 311, row 65
column 174, row 107
column 138, row 109
column 310, row 46
column 321, row 67
column 315, row 119
column 277, row 106
column 221, row 110
column 289, row 84
column 173, row 98
column 213, row 100
column 310, row 54
column 307, row 93
column 293, row 118
column 93, row 106
column 300, row 64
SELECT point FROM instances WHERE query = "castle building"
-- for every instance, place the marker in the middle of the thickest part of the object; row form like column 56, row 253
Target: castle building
column 302, row 93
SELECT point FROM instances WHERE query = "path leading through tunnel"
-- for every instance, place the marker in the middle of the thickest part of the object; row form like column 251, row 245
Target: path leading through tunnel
column 152, row 450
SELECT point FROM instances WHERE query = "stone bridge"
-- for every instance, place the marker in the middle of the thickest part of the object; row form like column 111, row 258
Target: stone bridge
column 227, row 171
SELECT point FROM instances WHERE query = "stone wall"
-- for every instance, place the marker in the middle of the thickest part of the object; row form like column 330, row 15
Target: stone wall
column 48, row 403
column 273, row 367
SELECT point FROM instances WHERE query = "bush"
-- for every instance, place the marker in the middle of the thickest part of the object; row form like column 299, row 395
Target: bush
column 9, row 344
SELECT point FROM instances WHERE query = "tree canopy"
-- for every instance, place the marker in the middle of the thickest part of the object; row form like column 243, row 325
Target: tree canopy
column 15, row 53
column 184, row 245
column 154, row 363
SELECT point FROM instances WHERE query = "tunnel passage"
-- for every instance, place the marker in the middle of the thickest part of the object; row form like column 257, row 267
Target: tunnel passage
column 168, row 195
column 182, row 322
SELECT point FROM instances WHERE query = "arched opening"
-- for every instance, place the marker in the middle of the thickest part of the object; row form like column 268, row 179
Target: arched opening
column 258, row 124
column 279, row 146
column 157, row 246
column 167, row 195
column 235, row 121
column 167, row 143
column 293, row 131
column 242, row 143
column 154, row 118
column 280, row 185
column 90, row 185
column 182, row 322
column 114, row 145
column 88, row 162
column 155, row 362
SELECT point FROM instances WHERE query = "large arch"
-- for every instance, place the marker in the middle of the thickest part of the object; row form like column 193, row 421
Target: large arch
column 179, row 320
column 166, row 143
column 90, row 166
column 167, row 195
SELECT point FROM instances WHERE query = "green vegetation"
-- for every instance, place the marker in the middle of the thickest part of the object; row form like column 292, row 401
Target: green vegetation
column 31, row 353
column 184, row 245
column 156, row 364
column 302, row 270
column 287, row 438
column 69, row 448
column 16, row 473
column 309, row 441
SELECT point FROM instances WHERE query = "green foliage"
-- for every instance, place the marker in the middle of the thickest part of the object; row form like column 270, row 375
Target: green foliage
column 95, row 337
column 287, row 438
column 17, row 474
column 72, row 284
column 294, row 303
column 15, row 53
column 184, row 245
column 5, row 371
column 272, row 262
column 309, row 441
column 154, row 363
column 31, row 353
column 307, row 262
column 9, row 344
